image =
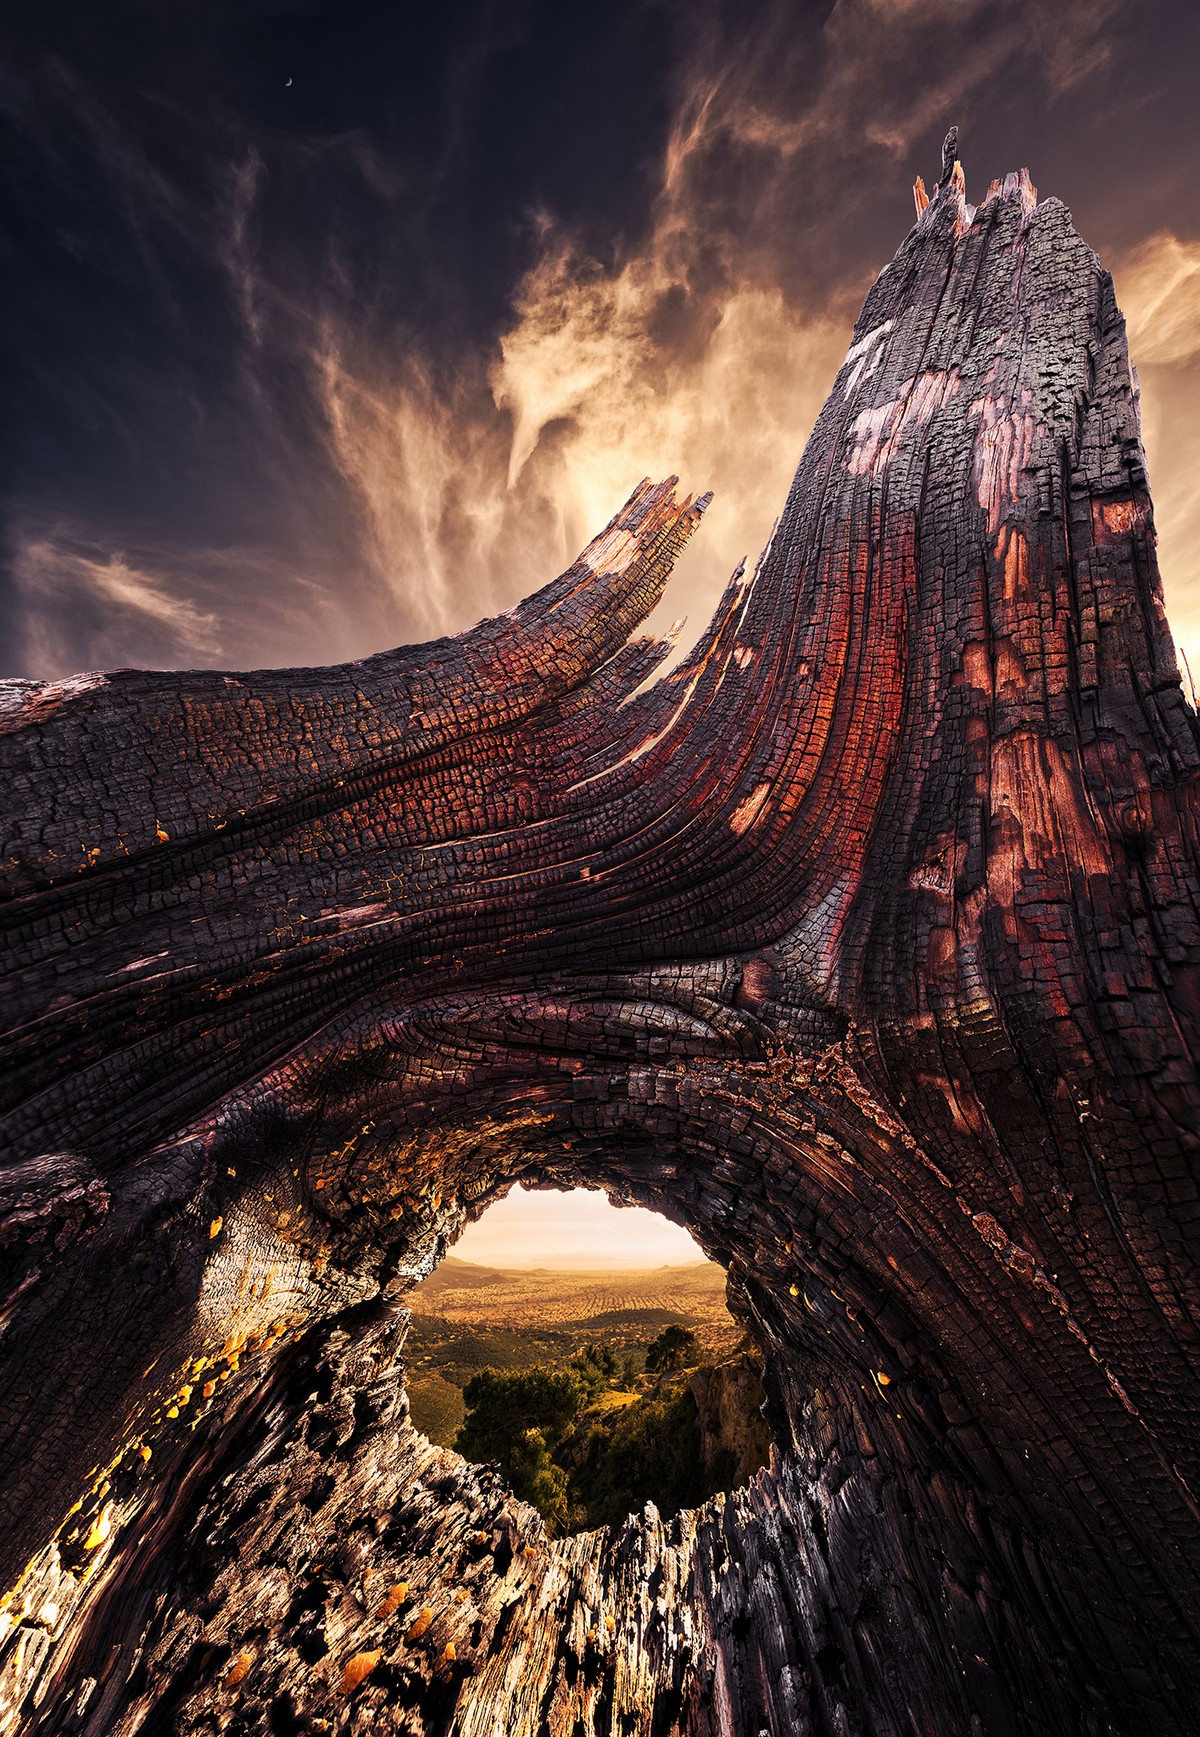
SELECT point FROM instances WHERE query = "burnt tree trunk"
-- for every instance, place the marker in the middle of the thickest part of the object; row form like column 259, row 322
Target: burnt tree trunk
column 864, row 944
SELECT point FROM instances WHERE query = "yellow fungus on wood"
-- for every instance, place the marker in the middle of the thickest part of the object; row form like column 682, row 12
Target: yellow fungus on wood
column 207, row 1391
column 883, row 1380
column 214, row 1228
column 101, row 1527
column 420, row 1623
column 144, row 1451
column 357, row 1670
column 391, row 1601
column 238, row 1669
column 172, row 1411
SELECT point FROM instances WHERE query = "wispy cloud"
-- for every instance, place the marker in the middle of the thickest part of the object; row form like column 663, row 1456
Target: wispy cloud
column 1158, row 287
column 355, row 474
column 705, row 346
column 75, row 595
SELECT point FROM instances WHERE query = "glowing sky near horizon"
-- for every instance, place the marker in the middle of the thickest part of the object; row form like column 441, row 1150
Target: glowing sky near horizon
column 576, row 1230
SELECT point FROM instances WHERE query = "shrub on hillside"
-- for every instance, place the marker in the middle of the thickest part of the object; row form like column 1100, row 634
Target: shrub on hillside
column 651, row 1452
column 675, row 1347
column 598, row 1367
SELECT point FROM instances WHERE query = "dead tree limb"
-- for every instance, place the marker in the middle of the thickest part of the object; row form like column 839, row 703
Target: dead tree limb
column 864, row 943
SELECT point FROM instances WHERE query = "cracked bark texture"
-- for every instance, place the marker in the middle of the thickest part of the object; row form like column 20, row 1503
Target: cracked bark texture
column 864, row 943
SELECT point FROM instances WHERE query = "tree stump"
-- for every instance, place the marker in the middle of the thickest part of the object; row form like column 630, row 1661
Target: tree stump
column 864, row 943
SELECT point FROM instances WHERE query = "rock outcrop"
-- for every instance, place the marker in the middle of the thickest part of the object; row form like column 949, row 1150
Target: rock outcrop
column 734, row 1439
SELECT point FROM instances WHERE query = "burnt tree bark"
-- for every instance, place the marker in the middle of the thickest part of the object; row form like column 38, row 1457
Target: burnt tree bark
column 865, row 943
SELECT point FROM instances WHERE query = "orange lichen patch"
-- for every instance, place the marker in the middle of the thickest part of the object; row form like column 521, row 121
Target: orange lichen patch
column 239, row 1669
column 920, row 197
column 420, row 1623
column 391, row 1601
column 358, row 1670
column 1112, row 520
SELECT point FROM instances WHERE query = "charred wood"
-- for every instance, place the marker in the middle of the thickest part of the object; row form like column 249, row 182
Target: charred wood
column 864, row 942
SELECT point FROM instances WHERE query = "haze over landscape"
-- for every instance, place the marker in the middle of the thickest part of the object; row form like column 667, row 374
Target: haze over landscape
column 577, row 1229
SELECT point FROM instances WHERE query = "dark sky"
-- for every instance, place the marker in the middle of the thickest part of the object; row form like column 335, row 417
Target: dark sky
column 328, row 326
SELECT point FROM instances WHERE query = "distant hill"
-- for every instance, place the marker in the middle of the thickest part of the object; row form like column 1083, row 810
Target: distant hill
column 539, row 1299
column 468, row 1317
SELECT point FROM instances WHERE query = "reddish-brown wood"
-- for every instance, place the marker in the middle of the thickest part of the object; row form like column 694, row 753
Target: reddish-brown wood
column 865, row 943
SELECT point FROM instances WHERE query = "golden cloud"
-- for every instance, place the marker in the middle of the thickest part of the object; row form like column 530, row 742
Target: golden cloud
column 1159, row 290
column 1158, row 287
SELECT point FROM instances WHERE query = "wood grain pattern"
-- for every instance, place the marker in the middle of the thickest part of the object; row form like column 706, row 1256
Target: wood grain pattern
column 865, row 943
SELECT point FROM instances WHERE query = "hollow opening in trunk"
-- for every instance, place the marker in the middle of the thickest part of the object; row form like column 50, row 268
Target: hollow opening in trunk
column 592, row 1355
